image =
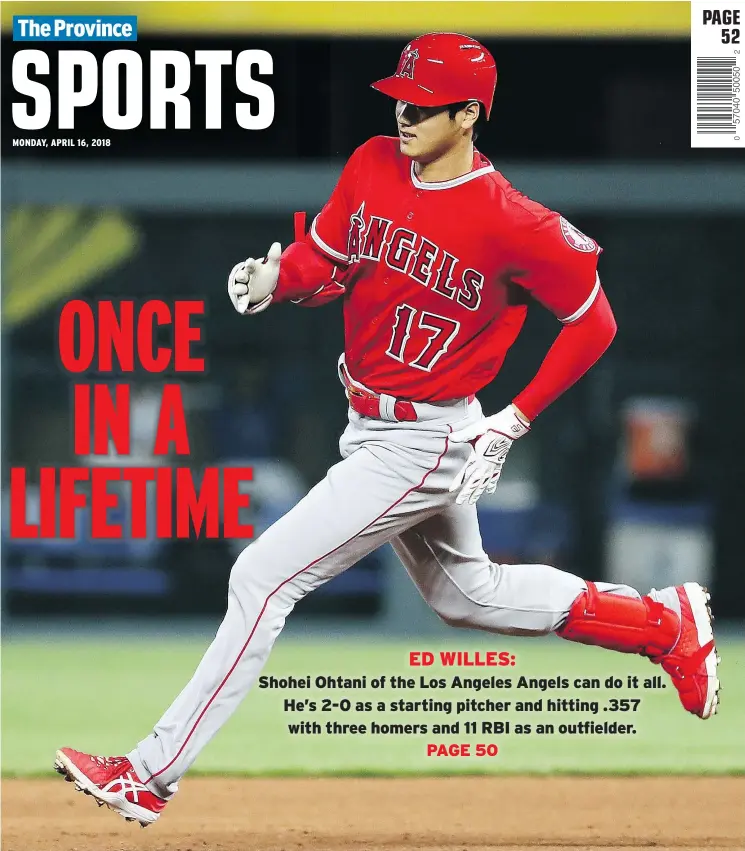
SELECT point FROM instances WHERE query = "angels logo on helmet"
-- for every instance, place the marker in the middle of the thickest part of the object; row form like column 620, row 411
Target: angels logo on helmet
column 408, row 60
column 575, row 238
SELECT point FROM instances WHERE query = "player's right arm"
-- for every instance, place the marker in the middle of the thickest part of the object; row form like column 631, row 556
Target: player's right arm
column 307, row 271
column 310, row 268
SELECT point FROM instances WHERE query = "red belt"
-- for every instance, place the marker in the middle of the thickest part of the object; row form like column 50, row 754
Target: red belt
column 368, row 404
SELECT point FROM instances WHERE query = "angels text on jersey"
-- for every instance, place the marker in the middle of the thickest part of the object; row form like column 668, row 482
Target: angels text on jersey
column 373, row 237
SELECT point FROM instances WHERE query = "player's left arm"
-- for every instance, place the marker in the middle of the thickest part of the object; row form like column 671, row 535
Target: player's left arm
column 579, row 346
column 560, row 272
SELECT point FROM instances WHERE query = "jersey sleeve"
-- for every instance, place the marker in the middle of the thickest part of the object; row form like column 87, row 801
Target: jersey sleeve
column 557, row 264
column 330, row 228
column 327, row 293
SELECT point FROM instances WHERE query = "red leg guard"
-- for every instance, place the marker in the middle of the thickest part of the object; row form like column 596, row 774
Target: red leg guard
column 621, row 623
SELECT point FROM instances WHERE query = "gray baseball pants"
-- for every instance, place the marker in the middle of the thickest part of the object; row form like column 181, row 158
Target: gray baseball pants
column 391, row 486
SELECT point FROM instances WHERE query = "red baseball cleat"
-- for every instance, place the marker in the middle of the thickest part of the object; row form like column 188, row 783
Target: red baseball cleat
column 692, row 661
column 111, row 780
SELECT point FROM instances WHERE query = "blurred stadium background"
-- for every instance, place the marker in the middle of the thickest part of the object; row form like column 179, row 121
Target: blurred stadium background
column 636, row 474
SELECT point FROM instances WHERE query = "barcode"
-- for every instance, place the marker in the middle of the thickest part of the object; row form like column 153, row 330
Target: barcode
column 715, row 93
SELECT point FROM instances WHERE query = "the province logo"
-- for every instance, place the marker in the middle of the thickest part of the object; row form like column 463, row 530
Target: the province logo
column 576, row 238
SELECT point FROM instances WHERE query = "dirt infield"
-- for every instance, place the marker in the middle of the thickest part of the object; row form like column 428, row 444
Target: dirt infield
column 438, row 814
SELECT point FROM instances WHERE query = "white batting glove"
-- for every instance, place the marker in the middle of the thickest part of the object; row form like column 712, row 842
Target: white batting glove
column 252, row 282
column 491, row 439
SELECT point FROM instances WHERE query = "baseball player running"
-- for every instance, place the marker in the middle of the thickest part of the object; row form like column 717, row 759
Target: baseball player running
column 433, row 252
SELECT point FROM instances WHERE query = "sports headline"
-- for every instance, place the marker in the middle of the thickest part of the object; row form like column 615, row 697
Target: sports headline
column 133, row 87
column 113, row 338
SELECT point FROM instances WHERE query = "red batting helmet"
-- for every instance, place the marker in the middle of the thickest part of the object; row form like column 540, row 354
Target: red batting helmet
column 442, row 68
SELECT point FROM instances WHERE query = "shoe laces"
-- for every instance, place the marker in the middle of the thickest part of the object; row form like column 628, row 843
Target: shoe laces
column 109, row 761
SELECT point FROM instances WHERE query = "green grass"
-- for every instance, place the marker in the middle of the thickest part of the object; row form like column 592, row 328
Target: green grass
column 103, row 696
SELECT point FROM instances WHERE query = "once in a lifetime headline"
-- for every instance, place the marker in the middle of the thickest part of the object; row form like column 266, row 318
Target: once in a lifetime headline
column 132, row 87
column 115, row 338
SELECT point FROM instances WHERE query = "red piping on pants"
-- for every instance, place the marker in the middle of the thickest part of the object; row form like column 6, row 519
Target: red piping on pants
column 280, row 586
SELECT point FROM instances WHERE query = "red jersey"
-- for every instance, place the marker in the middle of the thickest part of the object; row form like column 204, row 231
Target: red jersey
column 436, row 273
